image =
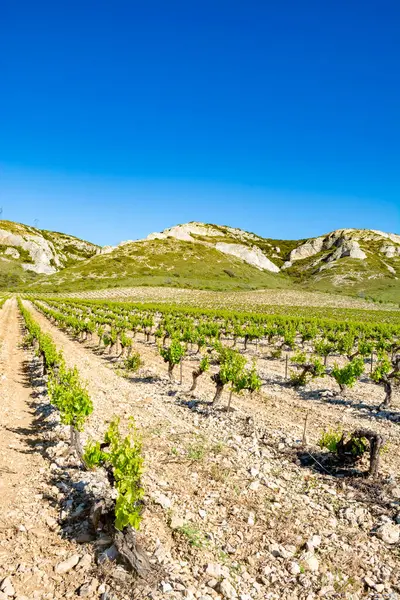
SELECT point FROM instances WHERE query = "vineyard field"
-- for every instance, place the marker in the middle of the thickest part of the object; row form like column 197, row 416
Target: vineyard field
column 235, row 415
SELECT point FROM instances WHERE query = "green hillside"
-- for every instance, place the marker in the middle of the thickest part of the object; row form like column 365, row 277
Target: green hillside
column 355, row 262
column 168, row 262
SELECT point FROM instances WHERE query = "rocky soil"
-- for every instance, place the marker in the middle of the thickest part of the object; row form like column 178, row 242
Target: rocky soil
column 235, row 507
column 254, row 300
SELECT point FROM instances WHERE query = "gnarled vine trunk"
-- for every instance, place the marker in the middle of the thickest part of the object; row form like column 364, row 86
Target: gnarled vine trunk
column 387, row 386
column 76, row 444
column 376, row 442
column 129, row 548
column 195, row 375
column 102, row 517
column 170, row 371
column 219, row 389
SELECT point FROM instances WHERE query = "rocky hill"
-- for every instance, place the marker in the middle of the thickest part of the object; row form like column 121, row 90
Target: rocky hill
column 353, row 261
column 26, row 252
column 264, row 254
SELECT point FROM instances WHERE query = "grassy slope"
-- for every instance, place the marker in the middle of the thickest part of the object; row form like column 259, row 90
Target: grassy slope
column 163, row 262
column 358, row 278
column 13, row 276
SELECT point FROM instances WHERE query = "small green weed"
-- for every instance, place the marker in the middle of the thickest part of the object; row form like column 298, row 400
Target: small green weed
column 193, row 534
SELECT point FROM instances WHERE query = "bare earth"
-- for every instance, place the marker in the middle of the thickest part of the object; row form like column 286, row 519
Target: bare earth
column 232, row 299
column 229, row 510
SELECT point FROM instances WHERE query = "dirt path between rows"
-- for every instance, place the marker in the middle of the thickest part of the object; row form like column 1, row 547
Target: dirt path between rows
column 16, row 416
column 30, row 543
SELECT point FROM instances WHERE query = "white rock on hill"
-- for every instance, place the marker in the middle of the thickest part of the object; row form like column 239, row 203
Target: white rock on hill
column 253, row 256
column 249, row 254
column 390, row 251
column 40, row 251
column 184, row 232
column 306, row 250
column 109, row 249
column 12, row 252
column 345, row 246
column 349, row 248
column 242, row 244
column 390, row 236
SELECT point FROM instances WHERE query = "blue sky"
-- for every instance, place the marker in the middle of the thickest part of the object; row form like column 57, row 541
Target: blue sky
column 118, row 119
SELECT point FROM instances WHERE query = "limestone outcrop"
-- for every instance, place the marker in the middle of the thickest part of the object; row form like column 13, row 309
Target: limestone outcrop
column 43, row 252
column 253, row 256
column 43, row 256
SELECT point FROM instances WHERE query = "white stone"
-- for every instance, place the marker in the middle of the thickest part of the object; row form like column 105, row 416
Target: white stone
column 162, row 500
column 7, row 587
column 12, row 252
column 308, row 249
column 39, row 250
column 251, row 519
column 176, row 522
column 46, row 257
column 287, row 264
column 254, row 486
column 84, row 562
column 389, row 533
column 390, row 251
column 67, row 565
column 315, row 541
column 294, row 568
column 311, row 563
column 370, row 582
column 353, row 250
column 226, row 589
column 253, row 256
column 217, row 571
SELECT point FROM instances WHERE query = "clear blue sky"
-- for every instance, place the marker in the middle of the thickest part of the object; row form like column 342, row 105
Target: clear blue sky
column 118, row 118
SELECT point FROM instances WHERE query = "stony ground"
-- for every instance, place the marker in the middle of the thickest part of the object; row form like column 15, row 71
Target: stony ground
column 232, row 300
column 234, row 506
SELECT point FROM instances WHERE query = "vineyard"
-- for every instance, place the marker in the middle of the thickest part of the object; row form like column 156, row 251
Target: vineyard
column 212, row 453
column 354, row 349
